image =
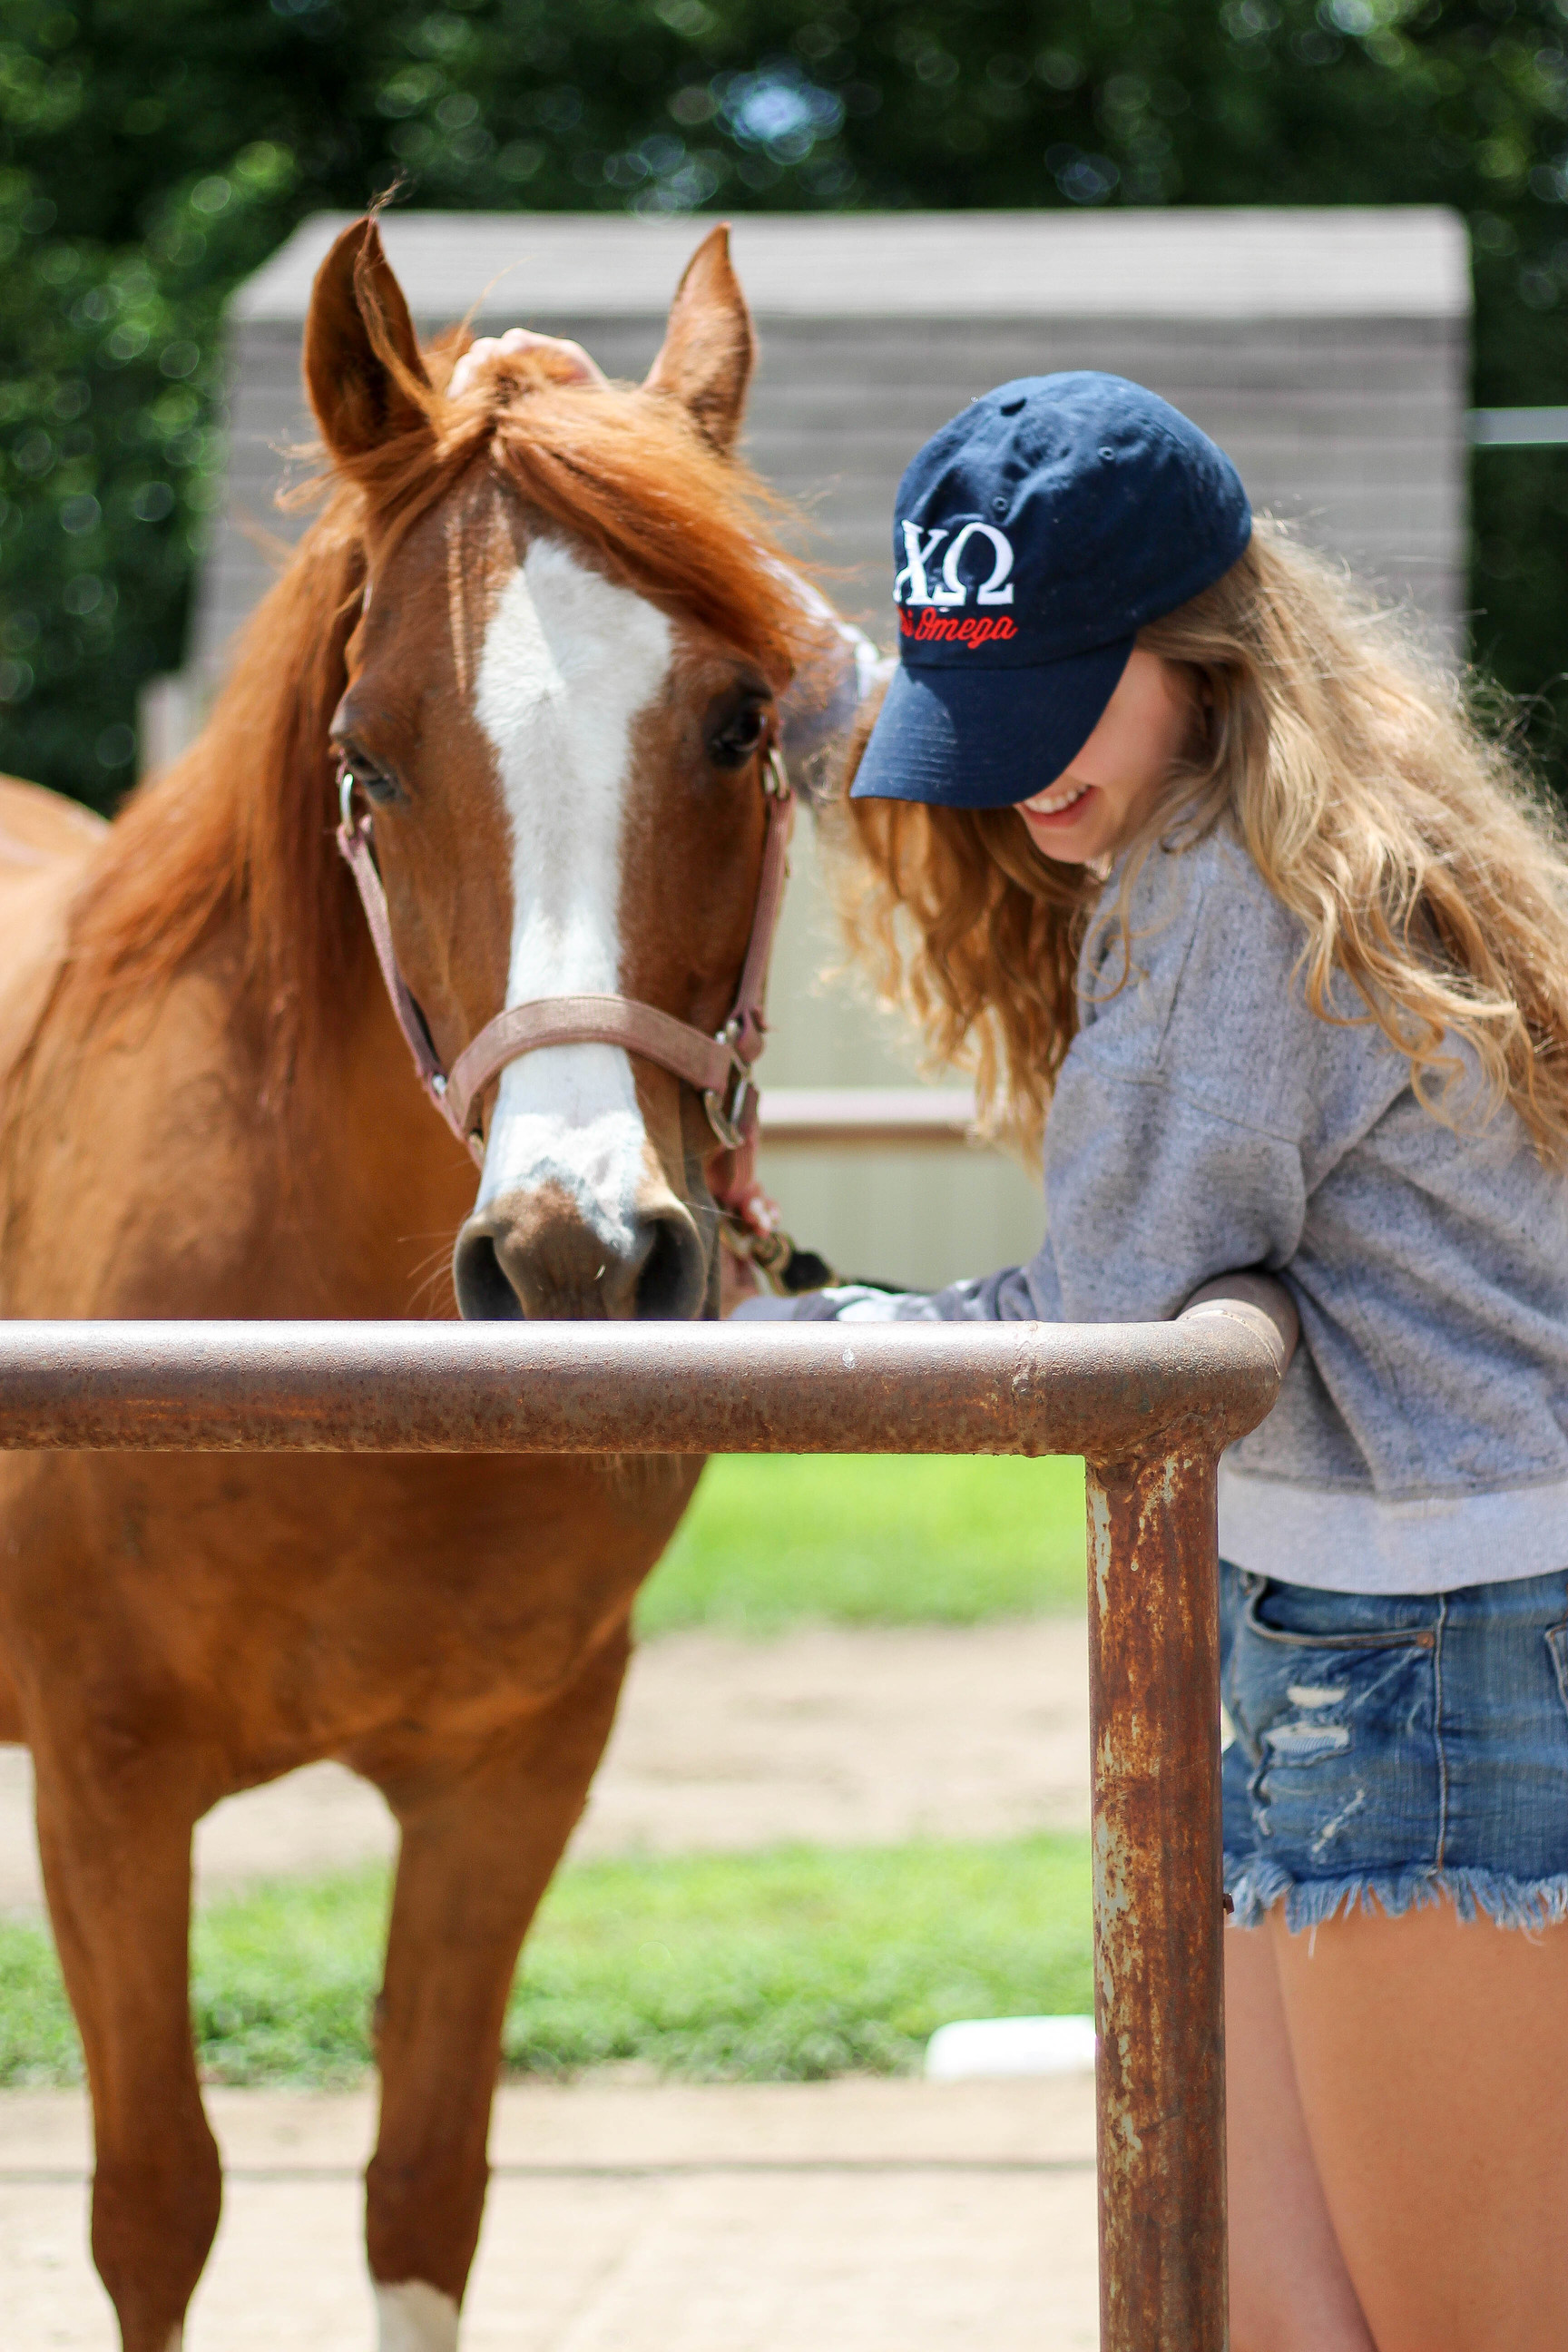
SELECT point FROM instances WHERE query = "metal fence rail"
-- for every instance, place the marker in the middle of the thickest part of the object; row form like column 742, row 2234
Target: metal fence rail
column 1149, row 1405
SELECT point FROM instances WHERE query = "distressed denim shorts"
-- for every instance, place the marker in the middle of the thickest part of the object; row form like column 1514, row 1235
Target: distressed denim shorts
column 1390, row 1748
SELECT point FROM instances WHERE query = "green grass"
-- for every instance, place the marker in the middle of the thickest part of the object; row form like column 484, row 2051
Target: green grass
column 38, row 2034
column 781, row 1966
column 871, row 1540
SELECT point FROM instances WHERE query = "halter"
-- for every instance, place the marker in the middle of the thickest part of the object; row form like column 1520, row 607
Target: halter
column 720, row 1067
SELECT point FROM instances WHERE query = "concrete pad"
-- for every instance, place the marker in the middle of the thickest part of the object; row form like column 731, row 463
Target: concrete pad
column 829, row 1735
column 845, row 2217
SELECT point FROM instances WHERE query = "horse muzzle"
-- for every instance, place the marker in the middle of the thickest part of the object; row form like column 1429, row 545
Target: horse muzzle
column 534, row 1255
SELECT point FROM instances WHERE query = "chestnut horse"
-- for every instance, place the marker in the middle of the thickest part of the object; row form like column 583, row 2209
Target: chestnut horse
column 542, row 624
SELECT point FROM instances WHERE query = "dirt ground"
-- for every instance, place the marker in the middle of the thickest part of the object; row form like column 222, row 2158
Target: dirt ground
column 827, row 1735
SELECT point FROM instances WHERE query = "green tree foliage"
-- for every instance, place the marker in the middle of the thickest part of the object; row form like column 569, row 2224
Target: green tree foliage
column 153, row 151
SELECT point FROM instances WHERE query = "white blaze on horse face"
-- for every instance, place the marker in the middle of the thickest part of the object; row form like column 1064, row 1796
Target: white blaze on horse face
column 569, row 661
column 415, row 2318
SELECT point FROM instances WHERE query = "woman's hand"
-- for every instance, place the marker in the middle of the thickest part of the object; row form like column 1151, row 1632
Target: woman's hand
column 737, row 1279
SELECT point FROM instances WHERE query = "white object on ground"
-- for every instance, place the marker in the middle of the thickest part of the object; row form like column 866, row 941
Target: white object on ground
column 1010, row 2046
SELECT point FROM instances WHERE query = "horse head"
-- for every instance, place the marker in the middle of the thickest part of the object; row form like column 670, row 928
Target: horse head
column 560, row 716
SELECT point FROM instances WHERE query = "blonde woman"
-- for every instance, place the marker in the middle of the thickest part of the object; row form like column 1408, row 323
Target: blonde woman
column 1209, row 873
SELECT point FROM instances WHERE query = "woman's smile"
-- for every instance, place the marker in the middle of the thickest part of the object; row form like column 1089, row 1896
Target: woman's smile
column 1090, row 811
column 1052, row 812
column 1047, row 808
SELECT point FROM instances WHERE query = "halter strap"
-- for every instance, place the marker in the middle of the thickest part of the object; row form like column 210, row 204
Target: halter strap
column 720, row 1067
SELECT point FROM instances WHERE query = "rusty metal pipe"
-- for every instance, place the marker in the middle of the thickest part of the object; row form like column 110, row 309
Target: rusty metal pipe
column 1154, row 1653
column 672, row 1387
column 1150, row 1406
column 1154, row 1702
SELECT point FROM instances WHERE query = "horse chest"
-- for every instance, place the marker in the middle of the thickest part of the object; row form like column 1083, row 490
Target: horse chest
column 300, row 1604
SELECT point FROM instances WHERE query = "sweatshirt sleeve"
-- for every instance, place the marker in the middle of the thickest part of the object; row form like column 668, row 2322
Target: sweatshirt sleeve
column 1200, row 1100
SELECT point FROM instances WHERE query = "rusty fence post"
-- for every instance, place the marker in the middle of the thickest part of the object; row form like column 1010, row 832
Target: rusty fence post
column 1159, row 1893
column 1153, row 1663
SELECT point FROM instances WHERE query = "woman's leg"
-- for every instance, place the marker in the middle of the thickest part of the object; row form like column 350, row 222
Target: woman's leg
column 1432, row 2062
column 1289, row 2289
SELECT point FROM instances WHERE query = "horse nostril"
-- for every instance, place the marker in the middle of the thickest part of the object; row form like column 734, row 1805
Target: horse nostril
column 674, row 1274
column 484, row 1294
column 543, row 1262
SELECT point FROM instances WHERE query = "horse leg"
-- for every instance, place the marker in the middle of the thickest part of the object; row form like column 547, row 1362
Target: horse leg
column 114, row 1835
column 479, row 1848
column 11, row 1730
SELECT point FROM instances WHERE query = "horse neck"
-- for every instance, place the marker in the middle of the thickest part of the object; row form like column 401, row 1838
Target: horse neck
column 362, row 1164
column 236, row 836
column 220, row 897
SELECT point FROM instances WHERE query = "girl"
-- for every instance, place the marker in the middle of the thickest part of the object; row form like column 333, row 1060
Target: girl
column 1191, row 850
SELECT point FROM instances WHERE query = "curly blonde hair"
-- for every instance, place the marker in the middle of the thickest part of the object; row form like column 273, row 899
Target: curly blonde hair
column 1412, row 844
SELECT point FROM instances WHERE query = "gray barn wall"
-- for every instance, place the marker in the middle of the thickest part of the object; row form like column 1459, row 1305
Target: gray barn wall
column 1328, row 352
column 1351, row 428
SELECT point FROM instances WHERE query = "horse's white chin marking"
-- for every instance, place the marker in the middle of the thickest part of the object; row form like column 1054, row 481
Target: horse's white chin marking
column 569, row 661
column 415, row 2318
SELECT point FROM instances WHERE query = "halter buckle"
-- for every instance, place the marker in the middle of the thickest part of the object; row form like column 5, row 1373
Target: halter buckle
column 727, row 1106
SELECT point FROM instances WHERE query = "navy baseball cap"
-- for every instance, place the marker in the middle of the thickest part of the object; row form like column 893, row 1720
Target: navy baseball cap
column 1033, row 538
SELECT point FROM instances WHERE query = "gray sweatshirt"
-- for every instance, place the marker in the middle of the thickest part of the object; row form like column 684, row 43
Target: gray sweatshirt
column 1205, row 1120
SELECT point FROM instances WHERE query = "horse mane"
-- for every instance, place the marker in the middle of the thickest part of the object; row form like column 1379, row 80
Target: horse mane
column 236, row 836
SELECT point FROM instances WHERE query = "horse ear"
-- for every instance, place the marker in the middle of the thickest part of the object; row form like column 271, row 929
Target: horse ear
column 363, row 367
column 709, row 348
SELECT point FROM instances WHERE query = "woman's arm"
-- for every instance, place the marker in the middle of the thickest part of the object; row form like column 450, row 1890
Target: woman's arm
column 1147, row 1198
column 1199, row 1105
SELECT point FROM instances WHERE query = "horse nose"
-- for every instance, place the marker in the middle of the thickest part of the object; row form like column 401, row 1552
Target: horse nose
column 539, row 1258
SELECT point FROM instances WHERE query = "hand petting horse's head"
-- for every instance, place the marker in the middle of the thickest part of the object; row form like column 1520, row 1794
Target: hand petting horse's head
column 559, row 707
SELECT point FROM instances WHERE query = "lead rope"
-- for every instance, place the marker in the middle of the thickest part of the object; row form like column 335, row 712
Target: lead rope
column 754, row 1231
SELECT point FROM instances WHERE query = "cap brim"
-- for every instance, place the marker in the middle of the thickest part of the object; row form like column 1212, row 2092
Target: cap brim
column 977, row 739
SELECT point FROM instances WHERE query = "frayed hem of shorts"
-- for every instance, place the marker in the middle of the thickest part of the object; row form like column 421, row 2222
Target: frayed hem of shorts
column 1256, row 1884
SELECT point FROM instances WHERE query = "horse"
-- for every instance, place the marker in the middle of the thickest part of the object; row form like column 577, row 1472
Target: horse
column 529, row 656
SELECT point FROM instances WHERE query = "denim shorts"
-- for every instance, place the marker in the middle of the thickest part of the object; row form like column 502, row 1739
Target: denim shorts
column 1392, row 1748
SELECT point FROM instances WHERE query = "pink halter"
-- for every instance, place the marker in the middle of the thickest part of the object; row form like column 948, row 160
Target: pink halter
column 720, row 1067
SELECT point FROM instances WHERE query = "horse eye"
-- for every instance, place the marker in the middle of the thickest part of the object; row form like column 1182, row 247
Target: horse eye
column 734, row 743
column 378, row 788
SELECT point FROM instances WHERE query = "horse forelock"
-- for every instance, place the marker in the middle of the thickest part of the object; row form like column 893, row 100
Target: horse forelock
column 622, row 470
